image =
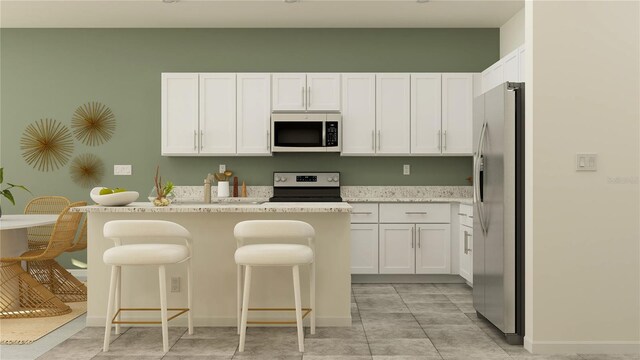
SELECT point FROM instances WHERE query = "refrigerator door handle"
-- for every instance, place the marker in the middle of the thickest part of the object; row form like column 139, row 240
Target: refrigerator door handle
column 476, row 180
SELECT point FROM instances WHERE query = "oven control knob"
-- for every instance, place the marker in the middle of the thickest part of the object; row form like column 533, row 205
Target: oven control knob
column 329, row 179
column 277, row 178
column 335, row 179
column 283, row 179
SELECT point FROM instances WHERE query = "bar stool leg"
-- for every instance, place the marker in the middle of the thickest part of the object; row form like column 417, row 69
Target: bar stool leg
column 189, row 297
column 118, row 297
column 239, row 295
column 312, row 299
column 296, row 292
column 163, row 309
column 245, row 307
column 112, row 290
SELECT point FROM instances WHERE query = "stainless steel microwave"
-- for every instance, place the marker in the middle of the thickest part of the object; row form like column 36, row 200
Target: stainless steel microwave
column 305, row 132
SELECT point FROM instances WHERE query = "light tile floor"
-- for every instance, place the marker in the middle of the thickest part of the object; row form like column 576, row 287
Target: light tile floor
column 390, row 322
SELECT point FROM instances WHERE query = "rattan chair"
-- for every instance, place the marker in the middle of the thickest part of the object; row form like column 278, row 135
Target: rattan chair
column 38, row 236
column 21, row 296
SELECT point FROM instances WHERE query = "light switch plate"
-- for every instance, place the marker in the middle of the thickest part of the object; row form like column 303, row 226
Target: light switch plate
column 586, row 162
column 406, row 170
column 121, row 169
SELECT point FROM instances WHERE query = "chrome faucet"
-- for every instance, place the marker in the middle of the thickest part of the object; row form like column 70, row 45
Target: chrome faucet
column 207, row 188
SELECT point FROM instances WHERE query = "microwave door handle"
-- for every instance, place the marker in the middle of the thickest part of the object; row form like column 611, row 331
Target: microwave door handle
column 324, row 134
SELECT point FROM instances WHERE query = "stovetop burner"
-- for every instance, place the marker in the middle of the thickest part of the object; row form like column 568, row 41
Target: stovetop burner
column 306, row 187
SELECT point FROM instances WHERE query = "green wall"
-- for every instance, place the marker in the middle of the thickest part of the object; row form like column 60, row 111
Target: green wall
column 47, row 73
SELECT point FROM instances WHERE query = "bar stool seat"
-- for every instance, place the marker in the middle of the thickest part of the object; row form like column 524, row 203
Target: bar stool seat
column 274, row 254
column 146, row 254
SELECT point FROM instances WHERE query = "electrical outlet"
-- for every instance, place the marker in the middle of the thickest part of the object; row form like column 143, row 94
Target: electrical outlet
column 175, row 284
column 121, row 169
column 222, row 168
column 406, row 170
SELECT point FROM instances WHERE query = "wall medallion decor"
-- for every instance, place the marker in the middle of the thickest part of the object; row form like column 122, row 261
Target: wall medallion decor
column 46, row 144
column 86, row 170
column 93, row 123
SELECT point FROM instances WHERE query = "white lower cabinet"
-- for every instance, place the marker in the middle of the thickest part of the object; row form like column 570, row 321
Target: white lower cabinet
column 364, row 248
column 465, row 232
column 397, row 254
column 433, row 250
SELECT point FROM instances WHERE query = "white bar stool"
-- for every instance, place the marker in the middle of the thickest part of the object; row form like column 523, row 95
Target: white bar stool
column 294, row 255
column 145, row 254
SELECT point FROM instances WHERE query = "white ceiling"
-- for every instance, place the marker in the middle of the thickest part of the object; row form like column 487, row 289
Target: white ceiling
column 256, row 13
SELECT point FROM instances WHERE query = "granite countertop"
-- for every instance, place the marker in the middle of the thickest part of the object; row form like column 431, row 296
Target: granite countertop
column 227, row 207
column 465, row 200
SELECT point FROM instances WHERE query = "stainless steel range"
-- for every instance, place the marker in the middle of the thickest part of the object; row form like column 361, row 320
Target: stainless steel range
column 306, row 187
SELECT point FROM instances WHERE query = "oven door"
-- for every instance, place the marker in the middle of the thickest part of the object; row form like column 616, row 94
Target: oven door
column 298, row 134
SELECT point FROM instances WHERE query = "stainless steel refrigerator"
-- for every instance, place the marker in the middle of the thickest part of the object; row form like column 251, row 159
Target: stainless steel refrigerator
column 498, row 222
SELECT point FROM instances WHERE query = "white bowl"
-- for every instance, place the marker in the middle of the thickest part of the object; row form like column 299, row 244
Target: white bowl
column 117, row 199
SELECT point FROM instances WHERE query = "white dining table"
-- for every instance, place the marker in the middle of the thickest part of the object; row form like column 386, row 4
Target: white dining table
column 13, row 231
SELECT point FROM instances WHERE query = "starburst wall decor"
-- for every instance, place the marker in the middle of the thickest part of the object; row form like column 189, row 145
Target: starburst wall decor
column 86, row 170
column 46, row 144
column 93, row 123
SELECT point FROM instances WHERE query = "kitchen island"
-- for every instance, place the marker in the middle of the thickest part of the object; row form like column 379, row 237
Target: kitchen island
column 214, row 269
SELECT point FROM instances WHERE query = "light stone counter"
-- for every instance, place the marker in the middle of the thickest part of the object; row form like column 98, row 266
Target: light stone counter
column 214, row 269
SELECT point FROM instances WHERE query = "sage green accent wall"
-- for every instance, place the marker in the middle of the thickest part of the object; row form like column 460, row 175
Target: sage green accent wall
column 48, row 73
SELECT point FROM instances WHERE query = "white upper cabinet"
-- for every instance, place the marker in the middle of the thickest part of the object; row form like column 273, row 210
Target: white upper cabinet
column 323, row 91
column 521, row 64
column 289, row 91
column 397, row 254
column 358, row 113
column 179, row 114
column 433, row 249
column 426, row 113
column 393, row 113
column 457, row 113
column 253, row 113
column 511, row 68
column 300, row 91
column 217, row 114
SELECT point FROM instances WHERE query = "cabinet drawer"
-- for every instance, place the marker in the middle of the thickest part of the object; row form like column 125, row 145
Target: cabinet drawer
column 466, row 215
column 364, row 213
column 415, row 213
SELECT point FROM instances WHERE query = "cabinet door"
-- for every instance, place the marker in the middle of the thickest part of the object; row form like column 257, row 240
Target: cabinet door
column 289, row 91
column 466, row 256
column 179, row 114
column 358, row 113
column 433, row 251
column 521, row 64
column 254, row 114
column 397, row 253
column 323, row 91
column 217, row 113
column 457, row 113
column 426, row 115
column 511, row 67
column 392, row 113
column 364, row 248
column 493, row 76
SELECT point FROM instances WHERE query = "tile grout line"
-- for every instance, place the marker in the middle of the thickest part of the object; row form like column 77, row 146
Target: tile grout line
column 174, row 344
column 416, row 319
column 362, row 323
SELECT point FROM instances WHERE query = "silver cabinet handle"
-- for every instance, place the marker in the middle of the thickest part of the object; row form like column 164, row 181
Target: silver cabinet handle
column 418, row 235
column 201, row 141
column 470, row 216
column 462, row 214
column 268, row 140
column 413, row 235
column 308, row 96
column 439, row 141
column 444, row 140
column 303, row 97
column 415, row 212
column 362, row 213
column 378, row 139
column 373, row 139
column 195, row 140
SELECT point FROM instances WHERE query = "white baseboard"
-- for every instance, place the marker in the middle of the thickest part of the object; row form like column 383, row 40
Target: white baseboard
column 80, row 274
column 223, row 321
column 582, row 347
